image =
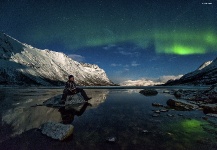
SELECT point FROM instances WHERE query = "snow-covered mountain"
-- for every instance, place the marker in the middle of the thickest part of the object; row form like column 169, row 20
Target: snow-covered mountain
column 23, row 64
column 141, row 82
column 204, row 65
column 206, row 74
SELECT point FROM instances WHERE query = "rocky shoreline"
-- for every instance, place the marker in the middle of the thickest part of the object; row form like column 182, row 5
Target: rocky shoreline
column 187, row 100
column 205, row 100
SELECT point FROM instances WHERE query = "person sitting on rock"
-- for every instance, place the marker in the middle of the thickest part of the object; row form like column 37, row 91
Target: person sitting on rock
column 70, row 89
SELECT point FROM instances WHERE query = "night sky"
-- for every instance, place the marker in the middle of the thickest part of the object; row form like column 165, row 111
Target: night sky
column 129, row 39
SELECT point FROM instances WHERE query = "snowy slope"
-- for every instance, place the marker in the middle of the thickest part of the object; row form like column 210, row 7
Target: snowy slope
column 141, row 82
column 206, row 74
column 23, row 64
column 204, row 65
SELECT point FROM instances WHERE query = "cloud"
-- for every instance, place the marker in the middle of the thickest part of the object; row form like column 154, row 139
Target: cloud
column 164, row 79
column 76, row 57
column 109, row 46
column 126, row 67
column 140, row 82
column 116, row 65
column 148, row 81
column 134, row 64
column 127, row 53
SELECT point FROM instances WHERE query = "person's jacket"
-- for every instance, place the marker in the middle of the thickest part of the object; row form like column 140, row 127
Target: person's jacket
column 70, row 86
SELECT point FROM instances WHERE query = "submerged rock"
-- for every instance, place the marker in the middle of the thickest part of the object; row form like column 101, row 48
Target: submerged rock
column 155, row 115
column 149, row 92
column 170, row 115
column 157, row 105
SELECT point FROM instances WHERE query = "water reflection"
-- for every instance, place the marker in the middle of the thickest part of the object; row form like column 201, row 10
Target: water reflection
column 68, row 115
column 17, row 113
column 123, row 114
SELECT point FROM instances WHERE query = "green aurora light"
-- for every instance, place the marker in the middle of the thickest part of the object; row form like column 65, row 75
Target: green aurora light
column 179, row 42
column 181, row 28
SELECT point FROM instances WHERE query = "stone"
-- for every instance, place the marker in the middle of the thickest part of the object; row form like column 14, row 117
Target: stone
column 210, row 108
column 145, row 131
column 178, row 94
column 157, row 111
column 149, row 92
column 157, row 105
column 164, row 110
column 212, row 115
column 205, row 118
column 169, row 133
column 166, row 91
column 56, row 130
column 170, row 115
column 155, row 115
column 181, row 105
column 111, row 139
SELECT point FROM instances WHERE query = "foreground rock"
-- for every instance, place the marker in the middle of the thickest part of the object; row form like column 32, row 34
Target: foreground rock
column 57, row 131
column 149, row 92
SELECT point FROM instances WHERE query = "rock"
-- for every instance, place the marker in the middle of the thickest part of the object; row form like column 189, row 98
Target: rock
column 164, row 110
column 166, row 91
column 157, row 111
column 181, row 105
column 205, row 118
column 56, row 130
column 178, row 94
column 169, row 133
column 212, row 115
column 170, row 115
column 149, row 92
column 157, row 105
column 155, row 115
column 111, row 139
column 145, row 131
column 209, row 108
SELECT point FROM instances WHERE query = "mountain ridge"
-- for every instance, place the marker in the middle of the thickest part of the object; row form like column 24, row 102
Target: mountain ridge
column 206, row 74
column 23, row 64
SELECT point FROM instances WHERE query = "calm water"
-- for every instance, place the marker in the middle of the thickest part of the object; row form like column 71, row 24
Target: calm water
column 121, row 113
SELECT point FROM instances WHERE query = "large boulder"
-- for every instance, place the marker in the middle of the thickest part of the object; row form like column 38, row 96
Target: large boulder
column 149, row 92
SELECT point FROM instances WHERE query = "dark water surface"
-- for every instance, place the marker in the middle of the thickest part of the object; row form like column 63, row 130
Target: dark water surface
column 121, row 113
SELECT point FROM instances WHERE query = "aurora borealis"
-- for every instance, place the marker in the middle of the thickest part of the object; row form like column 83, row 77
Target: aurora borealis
column 158, row 29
